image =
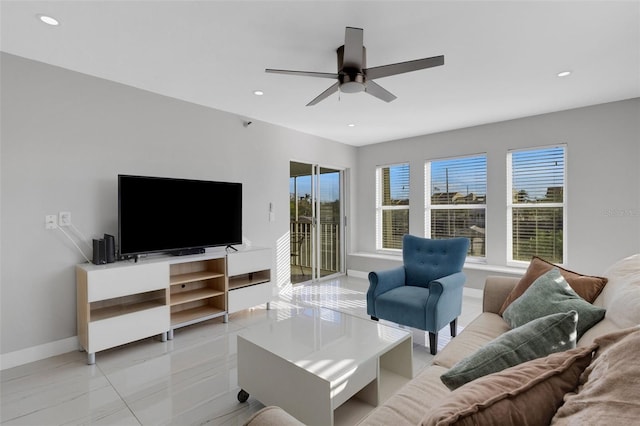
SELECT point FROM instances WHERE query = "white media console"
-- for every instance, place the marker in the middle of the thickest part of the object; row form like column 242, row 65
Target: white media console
column 122, row 302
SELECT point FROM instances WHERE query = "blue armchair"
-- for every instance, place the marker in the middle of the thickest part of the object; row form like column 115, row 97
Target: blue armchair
column 424, row 293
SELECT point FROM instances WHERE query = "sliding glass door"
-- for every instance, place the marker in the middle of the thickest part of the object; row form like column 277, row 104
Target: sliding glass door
column 316, row 226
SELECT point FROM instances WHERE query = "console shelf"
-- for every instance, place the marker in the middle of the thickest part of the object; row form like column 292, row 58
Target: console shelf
column 198, row 291
column 122, row 306
column 193, row 295
column 194, row 276
column 193, row 315
column 122, row 302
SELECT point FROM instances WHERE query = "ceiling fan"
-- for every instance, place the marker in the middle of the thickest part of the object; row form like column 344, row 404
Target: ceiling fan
column 353, row 76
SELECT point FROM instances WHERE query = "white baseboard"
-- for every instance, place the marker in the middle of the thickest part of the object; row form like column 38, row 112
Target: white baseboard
column 36, row 353
column 357, row 274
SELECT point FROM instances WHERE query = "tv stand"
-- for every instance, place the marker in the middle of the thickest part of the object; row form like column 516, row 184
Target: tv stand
column 186, row 252
column 231, row 247
column 122, row 302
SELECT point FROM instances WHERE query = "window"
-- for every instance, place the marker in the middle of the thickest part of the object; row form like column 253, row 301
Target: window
column 456, row 200
column 392, row 206
column 536, row 204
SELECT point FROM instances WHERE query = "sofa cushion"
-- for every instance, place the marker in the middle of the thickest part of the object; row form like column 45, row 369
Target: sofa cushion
column 621, row 296
column 483, row 329
column 587, row 287
column 609, row 388
column 535, row 339
column 550, row 294
column 272, row 416
column 408, row 405
column 527, row 394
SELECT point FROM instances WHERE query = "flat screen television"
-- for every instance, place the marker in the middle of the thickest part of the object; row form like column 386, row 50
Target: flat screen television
column 178, row 216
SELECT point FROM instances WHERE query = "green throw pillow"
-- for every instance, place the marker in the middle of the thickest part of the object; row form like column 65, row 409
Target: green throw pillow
column 551, row 294
column 536, row 339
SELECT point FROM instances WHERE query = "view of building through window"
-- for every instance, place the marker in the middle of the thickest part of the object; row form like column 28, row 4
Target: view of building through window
column 392, row 202
column 456, row 203
column 456, row 200
column 536, row 208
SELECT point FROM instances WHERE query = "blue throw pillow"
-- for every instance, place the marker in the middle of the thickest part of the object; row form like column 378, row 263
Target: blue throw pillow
column 551, row 294
column 536, row 339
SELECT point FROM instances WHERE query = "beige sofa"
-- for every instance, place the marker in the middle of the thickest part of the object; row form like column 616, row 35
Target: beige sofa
column 426, row 394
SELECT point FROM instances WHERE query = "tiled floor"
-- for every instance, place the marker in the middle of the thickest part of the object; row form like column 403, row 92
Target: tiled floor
column 191, row 379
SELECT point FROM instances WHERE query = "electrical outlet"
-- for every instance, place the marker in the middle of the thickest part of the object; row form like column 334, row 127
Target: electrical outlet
column 64, row 218
column 50, row 221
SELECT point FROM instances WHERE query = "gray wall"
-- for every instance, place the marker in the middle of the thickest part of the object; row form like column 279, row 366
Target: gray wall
column 65, row 137
column 603, row 181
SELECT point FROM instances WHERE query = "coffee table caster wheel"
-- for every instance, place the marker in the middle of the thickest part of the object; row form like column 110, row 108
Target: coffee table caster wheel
column 243, row 395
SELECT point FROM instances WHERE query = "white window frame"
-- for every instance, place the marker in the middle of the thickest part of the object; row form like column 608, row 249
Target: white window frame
column 510, row 205
column 429, row 206
column 380, row 208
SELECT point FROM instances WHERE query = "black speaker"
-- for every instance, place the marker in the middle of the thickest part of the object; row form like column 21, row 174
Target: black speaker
column 99, row 252
column 110, row 248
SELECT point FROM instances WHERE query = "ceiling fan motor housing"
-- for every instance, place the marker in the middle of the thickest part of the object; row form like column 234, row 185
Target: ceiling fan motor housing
column 351, row 77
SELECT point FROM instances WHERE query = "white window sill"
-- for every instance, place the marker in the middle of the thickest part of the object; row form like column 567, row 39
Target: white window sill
column 468, row 265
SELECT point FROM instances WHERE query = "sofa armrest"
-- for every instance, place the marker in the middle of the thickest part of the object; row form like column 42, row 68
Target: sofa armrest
column 272, row 416
column 496, row 290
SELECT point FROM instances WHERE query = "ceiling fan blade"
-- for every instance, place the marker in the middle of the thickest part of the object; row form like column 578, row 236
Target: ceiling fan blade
column 331, row 90
column 304, row 73
column 352, row 48
column 402, row 67
column 379, row 92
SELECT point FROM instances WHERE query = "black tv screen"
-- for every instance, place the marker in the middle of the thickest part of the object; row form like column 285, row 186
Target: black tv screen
column 176, row 215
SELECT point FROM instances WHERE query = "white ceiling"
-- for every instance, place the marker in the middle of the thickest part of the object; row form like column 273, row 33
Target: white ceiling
column 501, row 57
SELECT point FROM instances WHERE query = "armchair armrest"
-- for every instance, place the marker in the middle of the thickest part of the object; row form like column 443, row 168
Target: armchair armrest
column 449, row 284
column 445, row 299
column 496, row 290
column 382, row 281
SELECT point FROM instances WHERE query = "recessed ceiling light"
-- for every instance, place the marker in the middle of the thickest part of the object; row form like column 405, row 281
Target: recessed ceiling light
column 351, row 125
column 48, row 20
column 258, row 92
column 564, row 73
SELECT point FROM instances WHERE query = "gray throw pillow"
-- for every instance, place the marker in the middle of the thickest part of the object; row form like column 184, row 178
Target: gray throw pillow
column 536, row 339
column 551, row 294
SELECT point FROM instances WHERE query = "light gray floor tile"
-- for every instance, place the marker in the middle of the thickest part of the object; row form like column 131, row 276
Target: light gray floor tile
column 191, row 379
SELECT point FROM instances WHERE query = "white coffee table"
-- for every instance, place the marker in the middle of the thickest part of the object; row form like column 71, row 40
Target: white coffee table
column 317, row 359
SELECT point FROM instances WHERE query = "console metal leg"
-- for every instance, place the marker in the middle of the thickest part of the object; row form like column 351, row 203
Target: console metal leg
column 91, row 358
column 163, row 336
column 170, row 334
column 225, row 319
column 268, row 305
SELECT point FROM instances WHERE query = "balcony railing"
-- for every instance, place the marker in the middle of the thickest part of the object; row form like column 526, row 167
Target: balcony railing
column 301, row 244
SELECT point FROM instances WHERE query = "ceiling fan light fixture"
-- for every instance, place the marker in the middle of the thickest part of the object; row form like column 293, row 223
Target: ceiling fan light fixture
column 351, row 87
column 49, row 20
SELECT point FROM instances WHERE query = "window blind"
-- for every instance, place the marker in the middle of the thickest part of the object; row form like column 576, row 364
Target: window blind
column 456, row 200
column 392, row 206
column 536, row 205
